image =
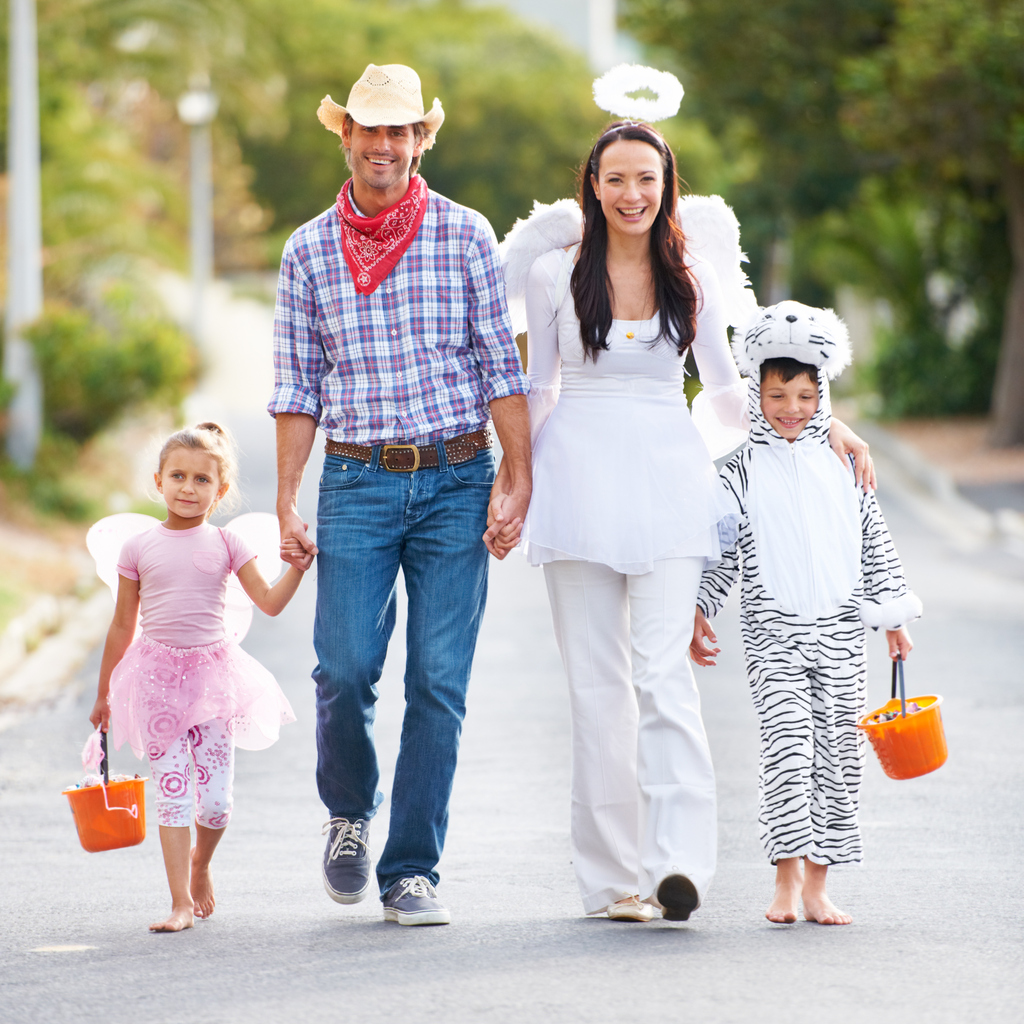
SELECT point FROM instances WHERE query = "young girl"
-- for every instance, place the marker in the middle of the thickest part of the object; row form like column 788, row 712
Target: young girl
column 182, row 693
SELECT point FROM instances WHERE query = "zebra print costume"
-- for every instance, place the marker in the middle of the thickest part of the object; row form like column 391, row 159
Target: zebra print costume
column 807, row 673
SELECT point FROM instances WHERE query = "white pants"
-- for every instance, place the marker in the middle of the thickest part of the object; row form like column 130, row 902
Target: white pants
column 643, row 788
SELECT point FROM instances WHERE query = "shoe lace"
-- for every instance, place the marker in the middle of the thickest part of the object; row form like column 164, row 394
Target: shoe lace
column 347, row 840
column 417, row 886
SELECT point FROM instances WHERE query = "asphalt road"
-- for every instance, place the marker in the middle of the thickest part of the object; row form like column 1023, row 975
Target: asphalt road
column 937, row 904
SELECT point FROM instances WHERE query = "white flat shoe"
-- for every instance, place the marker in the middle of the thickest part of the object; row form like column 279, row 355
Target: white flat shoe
column 632, row 909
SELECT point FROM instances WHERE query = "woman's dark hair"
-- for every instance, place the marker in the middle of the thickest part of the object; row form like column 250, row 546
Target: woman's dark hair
column 675, row 293
column 788, row 369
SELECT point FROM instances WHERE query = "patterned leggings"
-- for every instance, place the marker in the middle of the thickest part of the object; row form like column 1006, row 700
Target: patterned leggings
column 210, row 747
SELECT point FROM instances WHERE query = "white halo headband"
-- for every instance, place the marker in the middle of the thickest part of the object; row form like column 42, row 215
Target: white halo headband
column 612, row 89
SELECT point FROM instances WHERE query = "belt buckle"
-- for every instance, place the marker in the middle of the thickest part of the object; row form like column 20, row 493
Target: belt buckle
column 388, row 448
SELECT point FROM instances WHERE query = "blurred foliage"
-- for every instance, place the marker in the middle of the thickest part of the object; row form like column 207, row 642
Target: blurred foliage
column 945, row 93
column 114, row 153
column 519, row 116
column 765, row 77
column 941, row 270
column 943, row 101
column 878, row 132
column 94, row 369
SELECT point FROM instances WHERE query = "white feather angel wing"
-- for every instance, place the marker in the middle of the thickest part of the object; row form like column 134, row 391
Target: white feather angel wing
column 713, row 233
column 548, row 227
column 258, row 529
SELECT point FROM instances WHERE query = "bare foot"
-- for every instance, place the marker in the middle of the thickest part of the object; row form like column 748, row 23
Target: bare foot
column 201, row 887
column 789, row 880
column 786, row 903
column 180, row 919
column 821, row 909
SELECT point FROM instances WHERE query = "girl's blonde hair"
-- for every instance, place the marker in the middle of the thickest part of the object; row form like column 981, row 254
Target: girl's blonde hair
column 215, row 441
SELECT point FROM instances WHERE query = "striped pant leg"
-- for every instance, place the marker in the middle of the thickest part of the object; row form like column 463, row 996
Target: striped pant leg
column 838, row 699
column 780, row 685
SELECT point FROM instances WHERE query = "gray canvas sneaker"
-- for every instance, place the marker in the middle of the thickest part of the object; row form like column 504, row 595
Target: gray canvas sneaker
column 346, row 866
column 414, row 901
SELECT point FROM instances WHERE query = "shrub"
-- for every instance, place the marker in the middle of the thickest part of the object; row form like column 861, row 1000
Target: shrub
column 91, row 373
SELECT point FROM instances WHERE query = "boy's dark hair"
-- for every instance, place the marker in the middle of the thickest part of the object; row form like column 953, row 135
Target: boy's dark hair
column 787, row 369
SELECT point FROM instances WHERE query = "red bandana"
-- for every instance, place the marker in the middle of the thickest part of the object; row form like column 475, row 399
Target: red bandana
column 373, row 245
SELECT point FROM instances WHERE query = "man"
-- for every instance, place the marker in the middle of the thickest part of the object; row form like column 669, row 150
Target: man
column 391, row 334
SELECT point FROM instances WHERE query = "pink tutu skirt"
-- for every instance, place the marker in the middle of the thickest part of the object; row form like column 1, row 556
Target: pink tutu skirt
column 158, row 693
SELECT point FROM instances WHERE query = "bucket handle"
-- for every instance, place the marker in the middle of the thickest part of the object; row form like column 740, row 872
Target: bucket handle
column 134, row 809
column 897, row 664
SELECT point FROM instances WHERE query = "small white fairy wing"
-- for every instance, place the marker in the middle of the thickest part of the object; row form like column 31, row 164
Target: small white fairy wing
column 106, row 538
column 261, row 532
column 548, row 227
column 713, row 233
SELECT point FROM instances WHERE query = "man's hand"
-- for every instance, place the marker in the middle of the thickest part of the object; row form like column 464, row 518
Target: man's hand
column 513, row 485
column 295, row 433
column 505, row 514
column 700, row 653
column 296, row 547
column 845, row 442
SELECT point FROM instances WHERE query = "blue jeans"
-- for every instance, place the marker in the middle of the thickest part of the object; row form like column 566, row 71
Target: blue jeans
column 370, row 522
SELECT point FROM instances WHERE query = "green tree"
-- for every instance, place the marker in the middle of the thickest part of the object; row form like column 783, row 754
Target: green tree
column 945, row 98
column 519, row 115
column 766, row 77
column 938, row 263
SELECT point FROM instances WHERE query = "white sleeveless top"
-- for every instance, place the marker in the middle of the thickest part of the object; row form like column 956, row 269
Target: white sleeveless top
column 621, row 475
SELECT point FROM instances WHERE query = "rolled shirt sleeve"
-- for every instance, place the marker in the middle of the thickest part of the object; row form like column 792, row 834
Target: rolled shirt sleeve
column 490, row 328
column 299, row 363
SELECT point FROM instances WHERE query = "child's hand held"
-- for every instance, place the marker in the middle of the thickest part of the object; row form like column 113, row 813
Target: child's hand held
column 700, row 652
column 900, row 644
column 100, row 714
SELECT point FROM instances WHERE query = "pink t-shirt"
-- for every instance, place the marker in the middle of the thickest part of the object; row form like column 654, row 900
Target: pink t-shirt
column 182, row 578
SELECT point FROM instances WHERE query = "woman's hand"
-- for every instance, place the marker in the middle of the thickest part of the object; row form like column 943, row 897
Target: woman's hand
column 845, row 442
column 700, row 653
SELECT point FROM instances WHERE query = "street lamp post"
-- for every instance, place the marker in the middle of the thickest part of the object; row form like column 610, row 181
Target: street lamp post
column 24, row 237
column 197, row 108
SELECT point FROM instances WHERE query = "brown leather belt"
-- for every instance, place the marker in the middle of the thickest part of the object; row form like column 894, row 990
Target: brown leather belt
column 406, row 458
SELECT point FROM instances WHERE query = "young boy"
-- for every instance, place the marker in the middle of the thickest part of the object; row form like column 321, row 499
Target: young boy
column 817, row 565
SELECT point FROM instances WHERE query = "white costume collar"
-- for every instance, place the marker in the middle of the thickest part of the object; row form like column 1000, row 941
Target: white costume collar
column 804, row 513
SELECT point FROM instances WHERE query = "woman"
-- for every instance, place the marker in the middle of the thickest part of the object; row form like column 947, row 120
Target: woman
column 625, row 512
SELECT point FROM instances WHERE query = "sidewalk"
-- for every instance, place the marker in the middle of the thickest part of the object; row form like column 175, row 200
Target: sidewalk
column 971, row 494
column 43, row 648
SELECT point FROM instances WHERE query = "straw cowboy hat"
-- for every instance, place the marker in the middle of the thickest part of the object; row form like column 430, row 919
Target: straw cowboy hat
column 385, row 94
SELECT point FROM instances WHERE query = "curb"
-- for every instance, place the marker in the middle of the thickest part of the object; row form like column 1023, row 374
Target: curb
column 41, row 675
column 934, row 497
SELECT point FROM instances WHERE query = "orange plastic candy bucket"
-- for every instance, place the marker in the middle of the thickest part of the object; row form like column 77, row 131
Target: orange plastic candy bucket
column 112, row 815
column 908, row 745
column 109, row 817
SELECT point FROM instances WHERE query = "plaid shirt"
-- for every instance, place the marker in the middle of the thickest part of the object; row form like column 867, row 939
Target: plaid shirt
column 419, row 358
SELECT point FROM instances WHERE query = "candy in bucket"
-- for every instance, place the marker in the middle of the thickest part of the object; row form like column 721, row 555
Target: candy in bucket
column 907, row 735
